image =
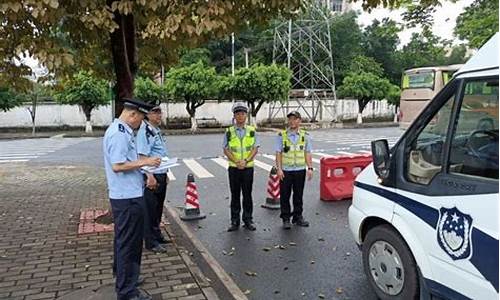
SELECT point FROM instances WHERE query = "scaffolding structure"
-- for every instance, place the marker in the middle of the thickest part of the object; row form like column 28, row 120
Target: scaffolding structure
column 305, row 47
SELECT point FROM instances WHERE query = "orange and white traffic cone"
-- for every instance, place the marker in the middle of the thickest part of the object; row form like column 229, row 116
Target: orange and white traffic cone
column 192, row 206
column 273, row 191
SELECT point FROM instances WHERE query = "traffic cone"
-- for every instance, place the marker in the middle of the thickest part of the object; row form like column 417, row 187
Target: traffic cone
column 192, row 206
column 273, row 191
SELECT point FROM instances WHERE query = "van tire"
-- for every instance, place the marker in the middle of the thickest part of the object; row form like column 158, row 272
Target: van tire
column 386, row 234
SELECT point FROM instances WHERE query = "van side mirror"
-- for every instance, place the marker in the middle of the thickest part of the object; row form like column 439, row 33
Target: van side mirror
column 381, row 158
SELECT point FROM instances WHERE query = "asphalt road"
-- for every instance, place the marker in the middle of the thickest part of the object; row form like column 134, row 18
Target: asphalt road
column 320, row 260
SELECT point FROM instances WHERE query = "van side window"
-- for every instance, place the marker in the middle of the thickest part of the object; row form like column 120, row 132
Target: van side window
column 475, row 141
column 424, row 153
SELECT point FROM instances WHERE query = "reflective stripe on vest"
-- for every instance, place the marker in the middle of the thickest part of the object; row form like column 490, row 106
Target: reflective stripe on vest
column 241, row 148
column 293, row 155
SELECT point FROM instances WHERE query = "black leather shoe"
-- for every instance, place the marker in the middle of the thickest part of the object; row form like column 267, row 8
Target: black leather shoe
column 301, row 222
column 233, row 227
column 163, row 240
column 140, row 281
column 250, row 226
column 141, row 296
column 286, row 224
column 157, row 249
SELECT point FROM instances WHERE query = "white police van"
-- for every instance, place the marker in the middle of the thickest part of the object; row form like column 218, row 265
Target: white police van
column 425, row 214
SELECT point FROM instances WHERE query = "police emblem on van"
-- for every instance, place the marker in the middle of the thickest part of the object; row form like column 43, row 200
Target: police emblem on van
column 453, row 233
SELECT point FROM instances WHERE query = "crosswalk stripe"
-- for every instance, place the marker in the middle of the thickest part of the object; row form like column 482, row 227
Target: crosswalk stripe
column 221, row 162
column 170, row 175
column 322, row 154
column 197, row 169
column 346, row 153
column 17, row 157
column 263, row 165
column 268, row 156
column 365, row 151
column 13, row 160
column 315, row 160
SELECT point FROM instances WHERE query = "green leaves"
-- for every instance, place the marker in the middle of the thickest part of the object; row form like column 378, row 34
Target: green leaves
column 478, row 22
column 8, row 99
column 85, row 90
column 148, row 90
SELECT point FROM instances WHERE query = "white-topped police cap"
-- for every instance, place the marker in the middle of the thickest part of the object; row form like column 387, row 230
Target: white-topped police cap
column 240, row 106
column 141, row 106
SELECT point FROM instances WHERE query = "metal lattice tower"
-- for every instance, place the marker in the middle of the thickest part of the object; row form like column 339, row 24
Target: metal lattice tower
column 305, row 46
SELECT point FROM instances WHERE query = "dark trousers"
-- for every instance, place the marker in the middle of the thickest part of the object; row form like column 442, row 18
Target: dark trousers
column 129, row 221
column 153, row 210
column 240, row 182
column 293, row 181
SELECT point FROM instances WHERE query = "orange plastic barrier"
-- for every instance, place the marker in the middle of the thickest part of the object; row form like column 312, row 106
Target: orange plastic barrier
column 337, row 175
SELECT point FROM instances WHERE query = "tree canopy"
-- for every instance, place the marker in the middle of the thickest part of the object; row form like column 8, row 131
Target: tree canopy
column 149, row 91
column 478, row 22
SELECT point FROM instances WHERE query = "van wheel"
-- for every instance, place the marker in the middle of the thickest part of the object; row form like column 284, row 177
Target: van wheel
column 389, row 264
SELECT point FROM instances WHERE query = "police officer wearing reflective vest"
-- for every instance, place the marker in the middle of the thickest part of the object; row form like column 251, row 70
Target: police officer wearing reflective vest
column 240, row 147
column 294, row 163
column 126, row 188
column 150, row 143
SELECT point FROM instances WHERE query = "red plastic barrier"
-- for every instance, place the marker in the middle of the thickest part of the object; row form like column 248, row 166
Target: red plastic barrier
column 337, row 175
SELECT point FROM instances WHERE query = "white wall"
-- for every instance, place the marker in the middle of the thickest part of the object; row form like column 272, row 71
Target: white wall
column 51, row 114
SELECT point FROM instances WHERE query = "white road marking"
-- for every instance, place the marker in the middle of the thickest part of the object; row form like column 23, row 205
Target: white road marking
column 170, row 175
column 263, row 165
column 197, row 169
column 365, row 151
column 17, row 157
column 346, row 153
column 221, row 162
column 14, row 160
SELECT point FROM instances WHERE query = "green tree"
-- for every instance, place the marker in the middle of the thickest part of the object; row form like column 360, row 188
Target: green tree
column 192, row 56
column 365, row 64
column 60, row 33
column 85, row 90
column 380, row 42
column 261, row 84
column 424, row 49
column 192, row 85
column 478, row 22
column 365, row 87
column 347, row 37
column 148, row 90
column 8, row 99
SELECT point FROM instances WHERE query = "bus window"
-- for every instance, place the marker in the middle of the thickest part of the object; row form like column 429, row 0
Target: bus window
column 423, row 79
column 424, row 158
column 475, row 140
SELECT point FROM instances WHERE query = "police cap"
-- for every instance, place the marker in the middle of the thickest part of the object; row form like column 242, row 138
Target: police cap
column 137, row 104
column 294, row 113
column 240, row 106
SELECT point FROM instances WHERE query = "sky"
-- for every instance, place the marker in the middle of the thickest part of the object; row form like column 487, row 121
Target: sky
column 444, row 19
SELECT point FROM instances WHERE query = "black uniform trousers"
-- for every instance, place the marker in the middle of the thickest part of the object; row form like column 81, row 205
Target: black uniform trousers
column 128, row 216
column 293, row 181
column 153, row 210
column 240, row 182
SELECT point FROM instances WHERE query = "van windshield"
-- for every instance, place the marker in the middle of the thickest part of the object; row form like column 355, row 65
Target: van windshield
column 419, row 80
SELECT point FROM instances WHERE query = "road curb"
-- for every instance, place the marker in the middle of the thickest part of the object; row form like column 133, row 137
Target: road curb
column 224, row 278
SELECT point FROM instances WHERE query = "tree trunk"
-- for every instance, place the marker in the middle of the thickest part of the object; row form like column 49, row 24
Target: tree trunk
column 87, row 110
column 33, row 114
column 191, row 109
column 124, row 52
column 255, row 111
column 361, row 106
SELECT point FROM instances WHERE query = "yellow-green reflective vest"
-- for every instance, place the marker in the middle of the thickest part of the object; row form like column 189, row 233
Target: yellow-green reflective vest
column 241, row 148
column 293, row 155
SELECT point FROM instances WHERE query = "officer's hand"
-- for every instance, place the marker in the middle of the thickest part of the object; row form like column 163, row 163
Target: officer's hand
column 152, row 161
column 309, row 174
column 241, row 164
column 151, row 183
column 280, row 174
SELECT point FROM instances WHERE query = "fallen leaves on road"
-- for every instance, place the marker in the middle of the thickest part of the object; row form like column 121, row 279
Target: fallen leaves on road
column 321, row 296
column 321, row 239
column 266, row 249
column 250, row 273
column 339, row 290
column 292, row 244
column 246, row 292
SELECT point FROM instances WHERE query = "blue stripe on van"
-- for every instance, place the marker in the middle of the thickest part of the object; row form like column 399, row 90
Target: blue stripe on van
column 484, row 246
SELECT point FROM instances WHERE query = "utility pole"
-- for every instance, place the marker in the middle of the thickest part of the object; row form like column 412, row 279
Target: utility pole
column 246, row 57
column 232, row 53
